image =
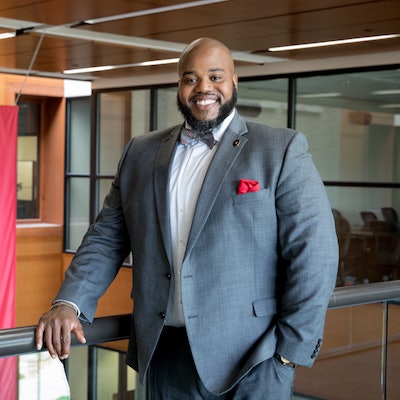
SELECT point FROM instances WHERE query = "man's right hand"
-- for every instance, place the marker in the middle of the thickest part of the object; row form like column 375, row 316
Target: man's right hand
column 54, row 329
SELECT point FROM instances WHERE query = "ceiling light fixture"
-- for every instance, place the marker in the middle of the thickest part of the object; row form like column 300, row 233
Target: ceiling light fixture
column 390, row 106
column 151, row 11
column 88, row 69
column 110, row 67
column 383, row 92
column 319, row 95
column 334, row 42
column 7, row 35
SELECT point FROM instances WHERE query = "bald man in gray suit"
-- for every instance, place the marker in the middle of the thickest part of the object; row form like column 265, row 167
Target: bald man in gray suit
column 233, row 244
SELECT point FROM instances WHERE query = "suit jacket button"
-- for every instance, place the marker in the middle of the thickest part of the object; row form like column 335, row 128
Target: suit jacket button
column 168, row 275
column 162, row 315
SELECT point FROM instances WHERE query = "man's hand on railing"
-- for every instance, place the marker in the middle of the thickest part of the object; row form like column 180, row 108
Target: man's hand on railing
column 54, row 329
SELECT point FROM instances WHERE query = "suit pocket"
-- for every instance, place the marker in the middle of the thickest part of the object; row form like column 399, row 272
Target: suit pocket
column 251, row 197
column 264, row 307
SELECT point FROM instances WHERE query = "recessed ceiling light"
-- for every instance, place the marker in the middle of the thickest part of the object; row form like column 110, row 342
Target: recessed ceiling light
column 7, row 35
column 333, row 42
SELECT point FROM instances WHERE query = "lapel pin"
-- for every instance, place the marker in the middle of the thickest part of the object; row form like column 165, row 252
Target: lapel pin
column 236, row 142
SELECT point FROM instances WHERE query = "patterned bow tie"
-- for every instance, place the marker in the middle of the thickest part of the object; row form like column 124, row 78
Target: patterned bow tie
column 190, row 137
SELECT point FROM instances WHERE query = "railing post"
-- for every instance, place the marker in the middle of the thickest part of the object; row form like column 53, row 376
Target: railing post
column 92, row 373
column 385, row 348
column 122, row 377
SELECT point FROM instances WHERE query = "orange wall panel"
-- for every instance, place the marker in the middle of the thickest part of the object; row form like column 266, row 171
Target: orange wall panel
column 39, row 264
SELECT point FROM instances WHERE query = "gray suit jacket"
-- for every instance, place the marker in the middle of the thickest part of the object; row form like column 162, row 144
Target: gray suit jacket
column 259, row 267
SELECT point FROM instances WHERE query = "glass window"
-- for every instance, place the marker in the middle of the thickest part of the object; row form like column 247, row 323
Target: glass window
column 264, row 101
column 351, row 120
column 28, row 159
column 368, row 233
column 167, row 112
column 352, row 124
column 261, row 101
column 78, row 153
column 122, row 115
column 78, row 193
column 103, row 189
column 114, row 129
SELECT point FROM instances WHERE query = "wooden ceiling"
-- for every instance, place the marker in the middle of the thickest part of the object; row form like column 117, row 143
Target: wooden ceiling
column 52, row 36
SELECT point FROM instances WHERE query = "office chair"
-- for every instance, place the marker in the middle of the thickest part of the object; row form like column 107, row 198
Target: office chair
column 343, row 234
column 390, row 214
column 387, row 247
column 367, row 217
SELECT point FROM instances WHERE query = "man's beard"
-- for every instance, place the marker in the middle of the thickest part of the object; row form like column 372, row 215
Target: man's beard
column 205, row 126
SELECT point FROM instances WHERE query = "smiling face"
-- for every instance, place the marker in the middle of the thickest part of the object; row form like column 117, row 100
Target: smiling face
column 207, row 84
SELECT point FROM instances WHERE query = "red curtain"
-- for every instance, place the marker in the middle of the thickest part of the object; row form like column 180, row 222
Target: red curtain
column 8, row 202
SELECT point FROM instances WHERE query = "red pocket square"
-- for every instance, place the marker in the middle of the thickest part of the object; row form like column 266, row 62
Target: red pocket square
column 247, row 186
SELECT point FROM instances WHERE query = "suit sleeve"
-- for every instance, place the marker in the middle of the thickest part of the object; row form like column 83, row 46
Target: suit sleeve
column 309, row 253
column 100, row 255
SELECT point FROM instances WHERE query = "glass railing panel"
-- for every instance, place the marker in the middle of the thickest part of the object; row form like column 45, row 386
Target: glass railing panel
column 77, row 369
column 352, row 362
column 41, row 378
column 105, row 364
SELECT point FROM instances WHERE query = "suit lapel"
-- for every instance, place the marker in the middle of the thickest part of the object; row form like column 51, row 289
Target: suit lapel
column 230, row 147
column 161, row 189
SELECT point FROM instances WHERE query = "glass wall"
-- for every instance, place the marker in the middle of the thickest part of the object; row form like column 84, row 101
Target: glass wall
column 120, row 117
column 351, row 120
column 352, row 124
column 264, row 101
column 166, row 112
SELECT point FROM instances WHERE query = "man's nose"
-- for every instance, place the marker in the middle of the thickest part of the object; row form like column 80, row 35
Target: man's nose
column 204, row 85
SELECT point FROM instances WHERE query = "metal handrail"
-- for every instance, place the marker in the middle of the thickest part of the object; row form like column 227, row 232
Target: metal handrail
column 348, row 296
column 17, row 341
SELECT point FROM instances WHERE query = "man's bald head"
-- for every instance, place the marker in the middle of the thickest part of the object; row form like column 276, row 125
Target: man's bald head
column 205, row 45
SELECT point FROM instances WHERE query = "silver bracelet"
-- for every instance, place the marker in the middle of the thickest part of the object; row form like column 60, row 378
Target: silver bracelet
column 58, row 303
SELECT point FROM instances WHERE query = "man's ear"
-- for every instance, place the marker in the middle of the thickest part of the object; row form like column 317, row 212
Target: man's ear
column 235, row 80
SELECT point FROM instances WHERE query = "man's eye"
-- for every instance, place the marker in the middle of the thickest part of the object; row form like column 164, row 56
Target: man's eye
column 190, row 80
column 216, row 78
